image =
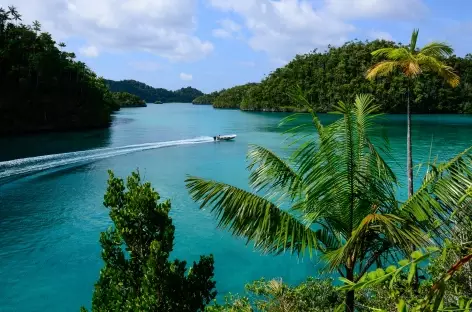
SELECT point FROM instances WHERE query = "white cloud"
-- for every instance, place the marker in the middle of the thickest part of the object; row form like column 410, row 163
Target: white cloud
column 230, row 25
column 380, row 35
column 145, row 65
column 165, row 28
column 376, row 9
column 186, row 77
column 283, row 28
column 228, row 29
column 286, row 27
column 221, row 33
column 89, row 51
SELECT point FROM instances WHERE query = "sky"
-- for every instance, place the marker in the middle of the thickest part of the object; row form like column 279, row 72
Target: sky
column 215, row 44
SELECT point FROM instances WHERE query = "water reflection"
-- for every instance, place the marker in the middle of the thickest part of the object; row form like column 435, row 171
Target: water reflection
column 52, row 143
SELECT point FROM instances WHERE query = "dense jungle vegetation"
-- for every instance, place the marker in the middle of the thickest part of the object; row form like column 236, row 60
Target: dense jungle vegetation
column 125, row 99
column 339, row 73
column 153, row 95
column 42, row 87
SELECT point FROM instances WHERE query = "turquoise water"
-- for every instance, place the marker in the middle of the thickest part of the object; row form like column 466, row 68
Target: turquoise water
column 51, row 210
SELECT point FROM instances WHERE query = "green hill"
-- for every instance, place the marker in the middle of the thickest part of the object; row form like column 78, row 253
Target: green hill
column 151, row 94
column 232, row 97
column 125, row 99
column 338, row 74
column 43, row 88
column 206, row 99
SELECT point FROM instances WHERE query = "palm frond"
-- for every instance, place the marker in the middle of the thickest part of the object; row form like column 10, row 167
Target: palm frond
column 382, row 69
column 271, row 173
column 414, row 40
column 328, row 240
column 443, row 70
column 346, row 173
column 397, row 231
column 399, row 54
column 382, row 52
column 442, row 192
column 437, row 49
column 258, row 220
column 411, row 68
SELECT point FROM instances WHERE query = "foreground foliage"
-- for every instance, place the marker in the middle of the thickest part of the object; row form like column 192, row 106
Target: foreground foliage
column 313, row 295
column 138, row 275
column 336, row 195
column 42, row 87
column 389, row 290
column 434, row 291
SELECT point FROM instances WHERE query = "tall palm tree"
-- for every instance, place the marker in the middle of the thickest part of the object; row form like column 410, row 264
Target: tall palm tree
column 336, row 195
column 14, row 13
column 412, row 62
column 36, row 26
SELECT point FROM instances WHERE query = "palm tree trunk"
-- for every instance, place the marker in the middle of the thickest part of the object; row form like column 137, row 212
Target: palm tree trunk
column 409, row 167
column 409, row 156
column 350, row 303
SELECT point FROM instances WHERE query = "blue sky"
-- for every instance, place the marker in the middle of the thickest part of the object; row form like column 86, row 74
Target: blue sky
column 215, row 44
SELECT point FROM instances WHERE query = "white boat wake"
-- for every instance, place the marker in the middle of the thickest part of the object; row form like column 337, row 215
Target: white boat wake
column 30, row 165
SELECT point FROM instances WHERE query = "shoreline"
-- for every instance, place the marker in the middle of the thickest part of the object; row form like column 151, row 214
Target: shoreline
column 305, row 111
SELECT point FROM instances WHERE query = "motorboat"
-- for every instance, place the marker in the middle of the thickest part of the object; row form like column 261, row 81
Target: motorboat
column 226, row 137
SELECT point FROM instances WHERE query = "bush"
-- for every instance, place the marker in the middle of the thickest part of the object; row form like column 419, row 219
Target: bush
column 138, row 275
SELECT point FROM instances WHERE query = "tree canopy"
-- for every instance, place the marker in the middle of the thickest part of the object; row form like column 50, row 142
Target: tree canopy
column 42, row 87
column 232, row 97
column 151, row 94
column 125, row 99
column 339, row 74
column 207, row 98
column 138, row 275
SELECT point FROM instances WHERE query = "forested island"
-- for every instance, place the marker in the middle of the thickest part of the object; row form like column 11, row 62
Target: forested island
column 125, row 99
column 152, row 95
column 207, row 99
column 42, row 87
column 339, row 73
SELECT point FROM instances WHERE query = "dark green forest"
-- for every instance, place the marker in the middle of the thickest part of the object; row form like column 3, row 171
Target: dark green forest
column 232, row 98
column 42, row 87
column 151, row 94
column 339, row 73
column 125, row 99
column 207, row 99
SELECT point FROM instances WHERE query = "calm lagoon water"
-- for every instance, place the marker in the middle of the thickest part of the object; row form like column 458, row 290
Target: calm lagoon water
column 51, row 210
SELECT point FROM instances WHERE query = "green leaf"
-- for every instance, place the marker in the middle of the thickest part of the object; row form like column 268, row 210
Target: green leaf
column 379, row 272
column 411, row 273
column 401, row 306
column 432, row 249
column 346, row 281
column 416, row 254
column 438, row 301
column 391, row 269
column 403, row 262
column 372, row 275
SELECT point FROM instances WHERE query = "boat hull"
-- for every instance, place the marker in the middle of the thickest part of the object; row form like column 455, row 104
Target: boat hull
column 225, row 137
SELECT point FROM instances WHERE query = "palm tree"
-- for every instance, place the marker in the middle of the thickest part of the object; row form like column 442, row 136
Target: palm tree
column 412, row 61
column 36, row 26
column 14, row 13
column 336, row 195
